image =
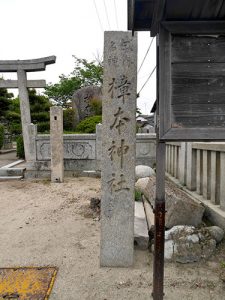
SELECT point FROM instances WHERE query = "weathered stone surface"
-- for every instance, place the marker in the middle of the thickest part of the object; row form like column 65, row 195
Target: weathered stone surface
column 56, row 141
column 141, row 184
column 81, row 101
column 72, row 148
column 145, row 148
column 118, row 149
column 38, row 64
column 186, row 244
column 216, row 232
column 141, row 238
column 143, row 171
column 21, row 66
column 150, row 217
column 181, row 209
column 25, row 111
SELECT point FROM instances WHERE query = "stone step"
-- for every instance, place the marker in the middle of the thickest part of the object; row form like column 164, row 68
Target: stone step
column 4, row 178
column 12, row 171
column 13, row 164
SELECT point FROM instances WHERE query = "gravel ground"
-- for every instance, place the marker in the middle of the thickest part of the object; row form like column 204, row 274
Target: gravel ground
column 51, row 224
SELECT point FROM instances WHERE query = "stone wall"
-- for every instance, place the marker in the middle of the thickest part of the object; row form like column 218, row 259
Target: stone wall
column 82, row 152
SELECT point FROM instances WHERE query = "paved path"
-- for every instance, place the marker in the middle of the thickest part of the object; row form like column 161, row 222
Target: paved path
column 7, row 158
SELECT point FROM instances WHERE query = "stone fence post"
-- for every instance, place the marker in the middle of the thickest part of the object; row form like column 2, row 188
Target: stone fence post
column 32, row 131
column 98, row 146
column 182, row 163
column 56, row 144
column 191, row 167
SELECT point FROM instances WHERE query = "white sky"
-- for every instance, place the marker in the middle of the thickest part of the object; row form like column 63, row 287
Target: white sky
column 38, row 28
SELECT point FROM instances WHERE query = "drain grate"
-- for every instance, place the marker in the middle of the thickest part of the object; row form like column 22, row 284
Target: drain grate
column 26, row 283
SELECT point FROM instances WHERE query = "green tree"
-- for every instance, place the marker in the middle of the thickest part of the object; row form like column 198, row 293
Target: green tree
column 39, row 107
column 5, row 101
column 85, row 73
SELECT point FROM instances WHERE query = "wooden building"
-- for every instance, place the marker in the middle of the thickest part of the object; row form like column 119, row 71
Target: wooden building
column 190, row 85
column 191, row 64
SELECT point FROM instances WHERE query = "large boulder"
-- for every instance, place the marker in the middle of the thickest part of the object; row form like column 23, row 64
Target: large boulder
column 142, row 171
column 181, row 208
column 82, row 99
column 186, row 244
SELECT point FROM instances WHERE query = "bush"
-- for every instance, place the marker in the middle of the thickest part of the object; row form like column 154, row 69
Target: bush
column 15, row 128
column 138, row 196
column 43, row 127
column 88, row 125
column 69, row 121
column 1, row 135
column 96, row 106
column 20, row 147
column 41, row 116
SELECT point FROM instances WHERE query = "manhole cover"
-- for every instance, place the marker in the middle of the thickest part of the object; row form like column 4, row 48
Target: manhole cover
column 26, row 283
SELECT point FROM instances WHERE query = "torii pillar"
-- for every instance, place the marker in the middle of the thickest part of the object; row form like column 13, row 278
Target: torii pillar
column 22, row 67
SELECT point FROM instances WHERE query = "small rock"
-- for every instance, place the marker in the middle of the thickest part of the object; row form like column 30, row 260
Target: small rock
column 141, row 184
column 187, row 244
column 216, row 232
column 143, row 171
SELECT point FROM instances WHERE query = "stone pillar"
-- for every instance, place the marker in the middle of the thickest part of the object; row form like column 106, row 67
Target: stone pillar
column 167, row 153
column 25, row 111
column 118, row 149
column 99, row 145
column 182, row 163
column 171, row 159
column 206, row 174
column 199, row 172
column 191, row 167
column 32, row 131
column 56, row 142
column 175, row 162
column 222, row 180
column 213, row 196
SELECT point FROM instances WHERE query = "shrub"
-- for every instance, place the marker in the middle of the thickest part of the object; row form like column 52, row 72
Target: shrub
column 43, row 127
column 1, row 135
column 96, row 106
column 20, row 147
column 41, row 116
column 88, row 125
column 15, row 128
column 138, row 196
column 69, row 120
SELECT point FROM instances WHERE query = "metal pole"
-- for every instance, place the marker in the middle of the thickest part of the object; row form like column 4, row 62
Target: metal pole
column 159, row 209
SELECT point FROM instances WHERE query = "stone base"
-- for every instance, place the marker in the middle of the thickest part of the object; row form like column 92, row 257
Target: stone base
column 212, row 212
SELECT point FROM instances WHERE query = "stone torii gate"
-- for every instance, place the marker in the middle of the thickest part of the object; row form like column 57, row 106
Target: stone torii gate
column 21, row 67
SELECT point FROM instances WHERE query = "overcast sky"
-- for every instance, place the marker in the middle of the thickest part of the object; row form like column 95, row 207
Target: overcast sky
column 38, row 28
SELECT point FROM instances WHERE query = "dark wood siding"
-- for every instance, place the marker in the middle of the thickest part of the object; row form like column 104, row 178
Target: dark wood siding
column 198, row 82
column 198, row 49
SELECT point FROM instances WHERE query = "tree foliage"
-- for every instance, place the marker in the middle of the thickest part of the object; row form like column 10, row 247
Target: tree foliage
column 85, row 73
column 88, row 125
column 39, row 107
column 5, row 101
column 1, row 135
